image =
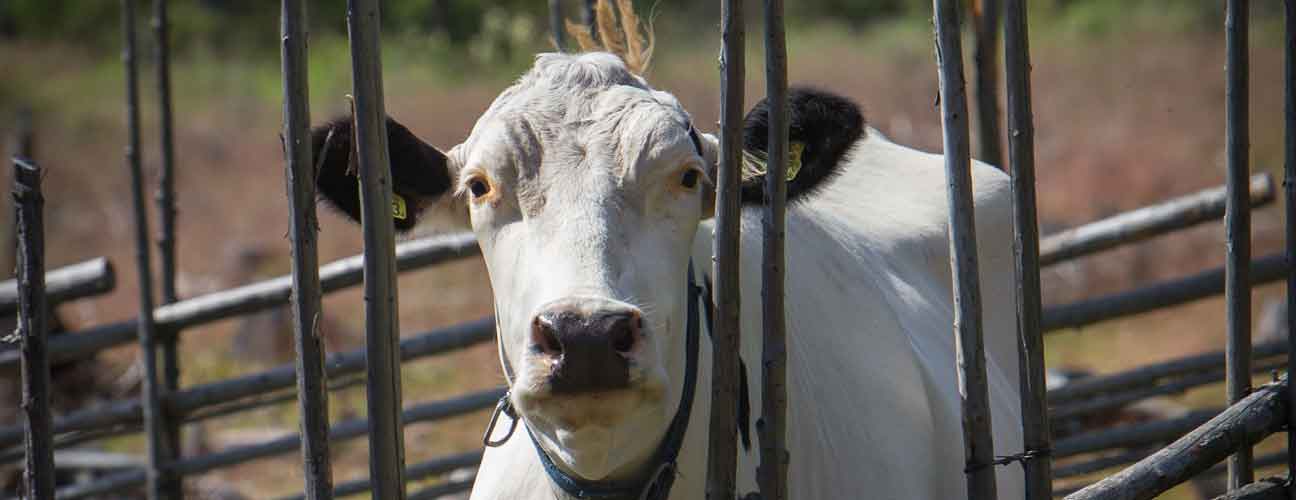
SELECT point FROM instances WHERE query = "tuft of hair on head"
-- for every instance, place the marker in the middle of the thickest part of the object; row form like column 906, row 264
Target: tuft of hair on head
column 620, row 31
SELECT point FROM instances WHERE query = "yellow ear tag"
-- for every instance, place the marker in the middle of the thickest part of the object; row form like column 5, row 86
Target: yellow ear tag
column 754, row 162
column 794, row 159
column 399, row 210
column 398, row 207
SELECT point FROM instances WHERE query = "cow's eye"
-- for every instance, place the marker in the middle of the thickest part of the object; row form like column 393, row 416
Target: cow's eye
column 690, row 178
column 479, row 187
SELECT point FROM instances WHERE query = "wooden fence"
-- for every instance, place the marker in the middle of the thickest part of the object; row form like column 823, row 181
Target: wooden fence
column 1201, row 439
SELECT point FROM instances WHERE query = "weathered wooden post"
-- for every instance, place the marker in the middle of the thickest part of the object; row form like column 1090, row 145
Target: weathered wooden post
column 722, row 460
column 160, row 482
column 556, row 25
column 1037, row 462
column 772, row 426
column 588, row 17
column 1237, row 225
column 33, row 329
column 382, row 329
column 985, row 20
column 978, row 441
column 1289, row 187
column 312, row 380
column 169, row 339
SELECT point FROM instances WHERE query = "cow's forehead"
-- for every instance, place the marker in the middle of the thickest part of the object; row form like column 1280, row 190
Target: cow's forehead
column 572, row 111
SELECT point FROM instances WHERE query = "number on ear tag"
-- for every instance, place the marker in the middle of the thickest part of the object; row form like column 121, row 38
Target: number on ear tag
column 398, row 207
column 754, row 162
column 794, row 159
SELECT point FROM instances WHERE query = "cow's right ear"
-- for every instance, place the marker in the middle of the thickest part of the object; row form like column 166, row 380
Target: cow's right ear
column 421, row 174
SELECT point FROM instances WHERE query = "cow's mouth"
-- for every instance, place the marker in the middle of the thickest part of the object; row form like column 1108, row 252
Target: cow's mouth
column 609, row 409
column 594, row 434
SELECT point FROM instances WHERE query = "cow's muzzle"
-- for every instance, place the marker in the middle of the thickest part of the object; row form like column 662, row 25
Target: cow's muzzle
column 588, row 343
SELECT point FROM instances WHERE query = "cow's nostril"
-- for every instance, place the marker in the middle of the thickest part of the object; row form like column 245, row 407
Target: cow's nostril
column 545, row 338
column 624, row 334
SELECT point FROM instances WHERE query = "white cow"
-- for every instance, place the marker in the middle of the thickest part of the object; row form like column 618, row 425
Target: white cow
column 587, row 191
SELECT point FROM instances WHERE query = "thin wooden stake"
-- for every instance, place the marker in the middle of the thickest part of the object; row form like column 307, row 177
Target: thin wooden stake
column 169, row 339
column 977, row 438
column 556, row 25
column 1021, row 156
column 33, row 328
column 1237, row 226
column 1289, row 187
column 382, row 330
column 985, row 18
column 159, row 484
column 299, row 171
column 772, row 426
column 722, row 460
column 588, row 17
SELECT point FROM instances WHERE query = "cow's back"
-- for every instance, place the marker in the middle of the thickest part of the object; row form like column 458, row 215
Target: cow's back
column 873, row 397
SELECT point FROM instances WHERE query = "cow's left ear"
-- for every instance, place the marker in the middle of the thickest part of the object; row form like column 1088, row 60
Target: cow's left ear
column 822, row 128
column 421, row 174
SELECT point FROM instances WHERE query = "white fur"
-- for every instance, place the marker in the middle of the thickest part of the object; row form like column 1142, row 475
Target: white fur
column 583, row 157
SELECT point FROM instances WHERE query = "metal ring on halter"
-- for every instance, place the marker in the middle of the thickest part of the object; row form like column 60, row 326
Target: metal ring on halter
column 655, row 479
column 504, row 406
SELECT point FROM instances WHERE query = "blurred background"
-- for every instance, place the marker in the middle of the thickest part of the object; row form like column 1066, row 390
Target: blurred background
column 1129, row 107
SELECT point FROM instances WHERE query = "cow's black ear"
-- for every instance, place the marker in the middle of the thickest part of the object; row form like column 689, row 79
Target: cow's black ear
column 824, row 125
column 420, row 173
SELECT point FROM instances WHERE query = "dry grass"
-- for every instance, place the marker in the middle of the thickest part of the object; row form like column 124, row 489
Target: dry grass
column 1122, row 122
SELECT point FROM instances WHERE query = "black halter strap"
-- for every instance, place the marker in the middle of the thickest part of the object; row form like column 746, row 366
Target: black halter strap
column 657, row 483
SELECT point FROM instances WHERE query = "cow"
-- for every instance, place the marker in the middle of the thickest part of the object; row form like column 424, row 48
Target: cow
column 590, row 195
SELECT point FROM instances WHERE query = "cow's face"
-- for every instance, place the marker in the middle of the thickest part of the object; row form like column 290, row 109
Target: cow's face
column 585, row 188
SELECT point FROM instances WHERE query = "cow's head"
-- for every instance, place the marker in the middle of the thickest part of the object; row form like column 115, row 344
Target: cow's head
column 585, row 188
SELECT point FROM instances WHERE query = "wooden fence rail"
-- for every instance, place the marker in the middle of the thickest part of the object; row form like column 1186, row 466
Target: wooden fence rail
column 255, row 297
column 1264, row 270
column 77, row 281
column 415, row 472
column 351, row 429
column 1143, row 375
column 1241, row 425
column 199, row 397
column 1143, row 223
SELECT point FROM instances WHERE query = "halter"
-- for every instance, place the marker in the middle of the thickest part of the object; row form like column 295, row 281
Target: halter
column 657, row 483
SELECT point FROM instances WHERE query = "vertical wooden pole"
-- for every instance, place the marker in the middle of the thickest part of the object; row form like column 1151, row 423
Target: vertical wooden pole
column 588, row 17
column 312, row 381
column 722, row 460
column 985, row 14
column 33, row 328
column 772, row 427
column 1030, row 346
column 1237, row 225
column 23, row 145
column 556, row 25
column 167, row 220
column 386, row 440
column 159, row 485
column 1289, row 188
column 977, row 439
